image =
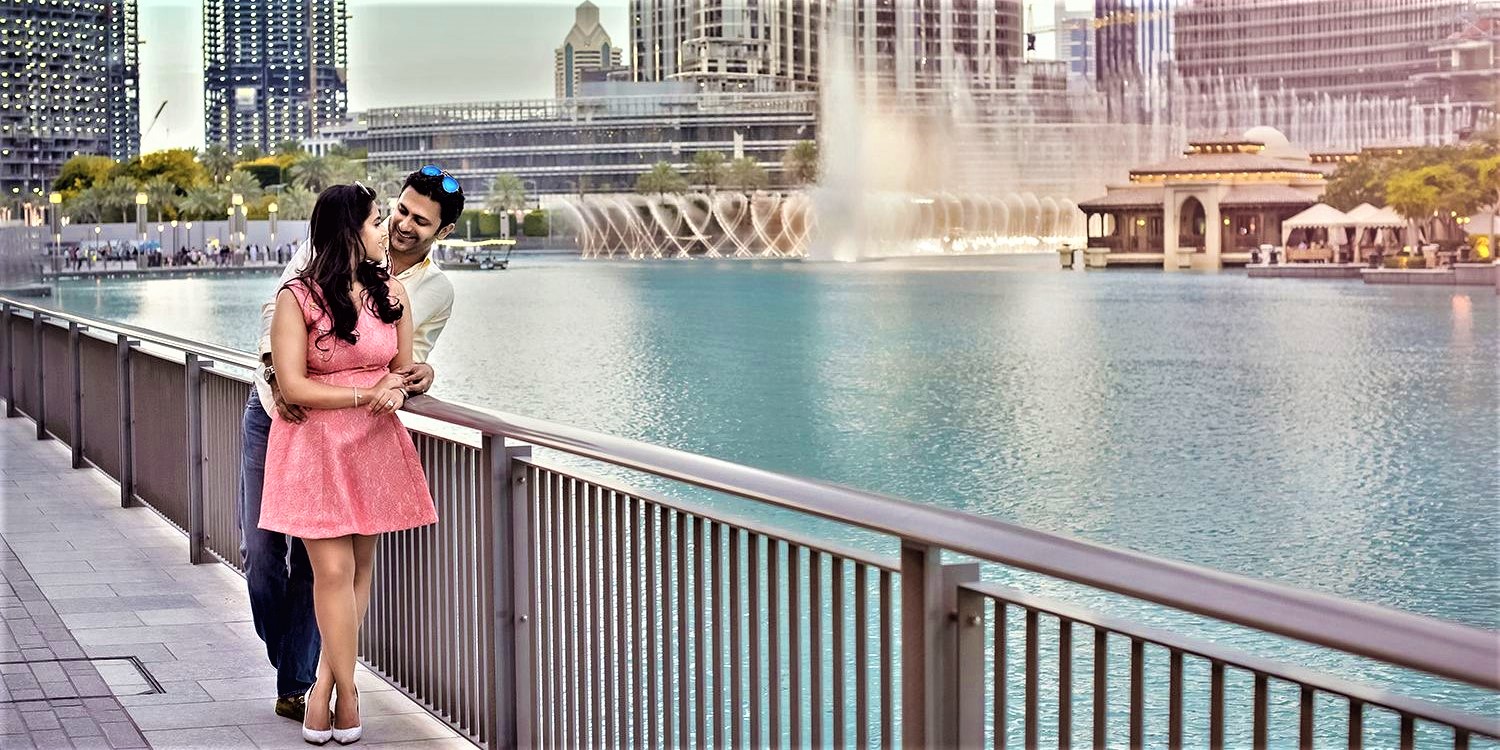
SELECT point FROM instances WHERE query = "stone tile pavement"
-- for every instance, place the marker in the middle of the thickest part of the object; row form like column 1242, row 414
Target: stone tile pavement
column 110, row 639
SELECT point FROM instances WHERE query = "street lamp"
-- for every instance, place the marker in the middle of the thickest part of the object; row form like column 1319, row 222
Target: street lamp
column 174, row 232
column 140, row 215
column 55, row 200
column 271, row 214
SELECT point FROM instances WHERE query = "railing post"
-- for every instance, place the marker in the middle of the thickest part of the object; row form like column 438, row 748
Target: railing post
column 75, row 414
column 969, row 669
column 6, row 355
column 508, row 497
column 123, row 345
column 8, row 377
column 929, row 646
column 37, row 321
column 193, row 396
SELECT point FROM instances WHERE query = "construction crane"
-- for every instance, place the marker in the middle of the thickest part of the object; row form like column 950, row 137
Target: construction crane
column 154, row 118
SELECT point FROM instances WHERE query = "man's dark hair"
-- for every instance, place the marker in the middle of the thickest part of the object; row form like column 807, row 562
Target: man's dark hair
column 450, row 205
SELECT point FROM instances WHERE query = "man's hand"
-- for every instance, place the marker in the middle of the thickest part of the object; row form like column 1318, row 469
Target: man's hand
column 417, row 377
column 289, row 412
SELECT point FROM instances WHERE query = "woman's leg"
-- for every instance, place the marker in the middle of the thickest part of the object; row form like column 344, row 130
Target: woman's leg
column 333, row 600
column 347, row 711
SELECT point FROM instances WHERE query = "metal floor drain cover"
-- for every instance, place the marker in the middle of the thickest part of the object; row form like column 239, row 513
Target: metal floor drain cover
column 64, row 679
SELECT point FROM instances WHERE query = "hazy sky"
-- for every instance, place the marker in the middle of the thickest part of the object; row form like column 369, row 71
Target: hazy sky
column 401, row 52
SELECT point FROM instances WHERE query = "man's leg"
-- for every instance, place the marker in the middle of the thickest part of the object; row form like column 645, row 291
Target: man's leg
column 263, row 552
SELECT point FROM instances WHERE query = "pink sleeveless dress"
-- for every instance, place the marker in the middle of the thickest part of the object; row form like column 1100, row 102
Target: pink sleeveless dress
column 343, row 471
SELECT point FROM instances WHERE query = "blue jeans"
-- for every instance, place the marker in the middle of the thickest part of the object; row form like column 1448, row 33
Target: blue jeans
column 277, row 571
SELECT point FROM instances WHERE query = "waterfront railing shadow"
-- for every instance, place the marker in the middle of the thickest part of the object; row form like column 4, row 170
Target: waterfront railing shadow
column 555, row 607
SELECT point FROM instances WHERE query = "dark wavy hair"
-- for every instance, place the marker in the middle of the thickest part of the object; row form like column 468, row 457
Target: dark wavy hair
column 450, row 205
column 338, row 260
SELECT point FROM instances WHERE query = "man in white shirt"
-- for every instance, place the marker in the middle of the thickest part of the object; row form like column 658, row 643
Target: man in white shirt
column 277, row 571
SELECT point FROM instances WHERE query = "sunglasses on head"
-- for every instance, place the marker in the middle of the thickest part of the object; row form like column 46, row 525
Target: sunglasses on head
column 450, row 183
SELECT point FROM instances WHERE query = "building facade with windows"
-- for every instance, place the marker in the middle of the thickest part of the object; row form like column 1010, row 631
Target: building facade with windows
column 775, row 45
column 68, row 85
column 586, row 48
column 1365, row 48
column 588, row 144
column 274, row 70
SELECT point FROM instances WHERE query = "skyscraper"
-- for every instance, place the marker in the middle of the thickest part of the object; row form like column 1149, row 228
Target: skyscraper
column 587, row 47
column 68, row 85
column 274, row 70
column 774, row 45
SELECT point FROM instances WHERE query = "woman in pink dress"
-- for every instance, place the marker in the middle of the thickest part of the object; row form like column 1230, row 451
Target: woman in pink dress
column 348, row 471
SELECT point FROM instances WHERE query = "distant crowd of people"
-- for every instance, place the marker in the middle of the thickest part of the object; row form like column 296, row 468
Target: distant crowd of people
column 85, row 258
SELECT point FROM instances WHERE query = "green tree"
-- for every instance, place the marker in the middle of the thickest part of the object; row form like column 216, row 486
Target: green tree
column 217, row 161
column 708, row 169
column 202, row 203
column 296, row 203
column 85, row 206
column 161, row 191
column 343, row 170
column 507, row 193
column 747, row 175
column 1486, row 167
column 386, row 179
column 118, row 195
column 249, row 153
column 660, row 179
column 1431, row 192
column 82, row 172
column 289, row 148
column 242, row 182
column 800, row 162
column 313, row 173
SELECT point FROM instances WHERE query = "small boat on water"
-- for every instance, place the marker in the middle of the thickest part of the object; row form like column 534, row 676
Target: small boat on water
column 484, row 255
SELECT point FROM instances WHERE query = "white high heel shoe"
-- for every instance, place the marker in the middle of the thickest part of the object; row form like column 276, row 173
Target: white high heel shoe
column 310, row 735
column 352, row 734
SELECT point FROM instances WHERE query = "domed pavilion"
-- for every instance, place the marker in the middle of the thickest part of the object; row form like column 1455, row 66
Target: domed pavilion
column 1206, row 209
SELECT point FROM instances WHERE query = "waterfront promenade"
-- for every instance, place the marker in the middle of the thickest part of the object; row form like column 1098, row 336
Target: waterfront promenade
column 111, row 639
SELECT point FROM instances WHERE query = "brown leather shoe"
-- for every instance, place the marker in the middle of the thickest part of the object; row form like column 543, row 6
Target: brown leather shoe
column 292, row 707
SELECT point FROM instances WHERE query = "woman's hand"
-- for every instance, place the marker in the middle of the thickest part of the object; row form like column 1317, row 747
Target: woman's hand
column 387, row 401
column 390, row 380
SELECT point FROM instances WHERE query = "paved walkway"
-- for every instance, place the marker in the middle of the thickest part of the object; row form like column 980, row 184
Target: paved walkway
column 110, row 638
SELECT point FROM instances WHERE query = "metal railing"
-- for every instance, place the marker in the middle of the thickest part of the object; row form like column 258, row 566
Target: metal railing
column 552, row 607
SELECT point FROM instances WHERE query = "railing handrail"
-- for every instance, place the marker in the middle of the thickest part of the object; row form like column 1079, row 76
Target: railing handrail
column 213, row 352
column 1438, row 647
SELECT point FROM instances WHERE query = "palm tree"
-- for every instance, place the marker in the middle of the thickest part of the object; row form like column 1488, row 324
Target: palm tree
column 243, row 183
column 249, row 153
column 118, row 194
column 386, row 179
column 203, row 203
column 746, row 174
column 217, row 160
column 85, row 206
column 801, row 163
column 162, row 193
column 708, row 168
column 662, row 178
column 296, row 203
column 343, row 170
column 289, row 148
column 313, row 173
column 507, row 193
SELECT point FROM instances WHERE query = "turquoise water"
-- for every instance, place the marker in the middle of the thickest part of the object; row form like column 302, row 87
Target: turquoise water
column 1329, row 435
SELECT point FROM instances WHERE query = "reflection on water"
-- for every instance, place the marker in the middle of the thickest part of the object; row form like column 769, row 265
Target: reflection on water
column 1328, row 435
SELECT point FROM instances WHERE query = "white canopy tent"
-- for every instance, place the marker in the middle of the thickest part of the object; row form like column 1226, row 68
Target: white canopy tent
column 1320, row 216
column 1382, row 222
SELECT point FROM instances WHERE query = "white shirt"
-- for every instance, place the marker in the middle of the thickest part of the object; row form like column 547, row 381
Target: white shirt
column 427, row 288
